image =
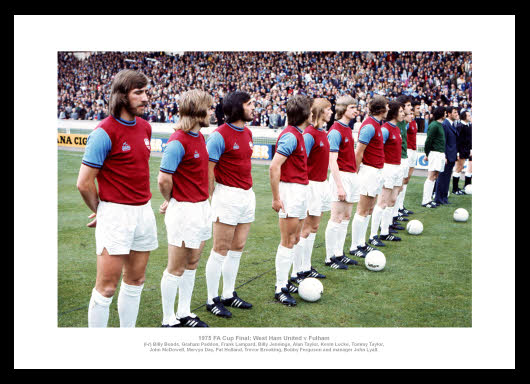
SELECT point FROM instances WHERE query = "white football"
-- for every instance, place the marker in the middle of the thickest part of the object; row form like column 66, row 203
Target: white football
column 414, row 227
column 310, row 289
column 375, row 260
column 468, row 189
column 461, row 215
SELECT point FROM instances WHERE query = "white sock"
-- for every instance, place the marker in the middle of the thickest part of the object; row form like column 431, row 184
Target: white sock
column 428, row 187
column 362, row 240
column 332, row 235
column 98, row 310
column 128, row 304
column 396, row 206
column 298, row 257
column 386, row 220
column 284, row 259
column 468, row 174
column 357, row 226
column 308, row 250
column 376, row 220
column 456, row 174
column 169, row 286
column 186, row 285
column 402, row 201
column 343, row 231
column 229, row 271
column 214, row 267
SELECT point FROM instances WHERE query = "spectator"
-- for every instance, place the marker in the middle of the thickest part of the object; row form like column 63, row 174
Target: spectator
column 270, row 77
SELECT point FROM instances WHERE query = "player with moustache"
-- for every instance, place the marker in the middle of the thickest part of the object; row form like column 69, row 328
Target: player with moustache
column 343, row 183
column 183, row 182
column 117, row 155
column 317, row 148
column 230, row 149
column 290, row 188
column 392, row 176
column 370, row 155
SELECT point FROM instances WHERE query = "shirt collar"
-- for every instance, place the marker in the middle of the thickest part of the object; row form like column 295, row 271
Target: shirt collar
column 378, row 121
column 235, row 128
column 125, row 122
column 298, row 129
column 193, row 134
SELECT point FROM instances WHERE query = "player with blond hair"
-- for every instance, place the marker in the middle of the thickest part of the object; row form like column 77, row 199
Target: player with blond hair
column 183, row 182
column 343, row 182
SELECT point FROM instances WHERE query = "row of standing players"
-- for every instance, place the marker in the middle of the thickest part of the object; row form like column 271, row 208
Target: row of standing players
column 193, row 170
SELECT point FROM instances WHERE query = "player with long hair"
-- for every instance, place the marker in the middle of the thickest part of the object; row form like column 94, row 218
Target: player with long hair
column 117, row 155
column 183, row 182
column 230, row 148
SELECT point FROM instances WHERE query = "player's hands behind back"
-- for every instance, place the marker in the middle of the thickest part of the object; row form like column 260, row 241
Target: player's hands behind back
column 92, row 224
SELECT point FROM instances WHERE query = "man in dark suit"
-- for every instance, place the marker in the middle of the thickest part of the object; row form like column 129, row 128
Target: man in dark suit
column 451, row 134
column 464, row 150
column 219, row 115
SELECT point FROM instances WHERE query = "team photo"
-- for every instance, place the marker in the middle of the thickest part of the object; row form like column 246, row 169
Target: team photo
column 297, row 193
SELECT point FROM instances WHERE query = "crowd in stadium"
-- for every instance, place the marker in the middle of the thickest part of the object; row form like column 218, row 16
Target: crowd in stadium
column 433, row 78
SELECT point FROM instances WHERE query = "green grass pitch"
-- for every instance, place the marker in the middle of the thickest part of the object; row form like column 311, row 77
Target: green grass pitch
column 426, row 281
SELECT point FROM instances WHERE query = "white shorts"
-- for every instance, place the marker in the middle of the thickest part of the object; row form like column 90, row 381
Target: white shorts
column 319, row 199
column 294, row 197
column 233, row 205
column 436, row 161
column 392, row 176
column 405, row 168
column 187, row 222
column 121, row 228
column 412, row 156
column 350, row 183
column 370, row 180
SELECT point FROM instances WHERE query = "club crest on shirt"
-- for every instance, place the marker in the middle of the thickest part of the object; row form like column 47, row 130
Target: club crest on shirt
column 346, row 140
column 125, row 147
column 196, row 155
column 147, row 144
column 321, row 143
column 394, row 137
column 235, row 146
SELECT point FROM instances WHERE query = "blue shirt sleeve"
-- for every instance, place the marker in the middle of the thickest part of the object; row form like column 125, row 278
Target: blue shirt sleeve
column 366, row 134
column 334, row 138
column 309, row 142
column 287, row 144
column 98, row 146
column 385, row 134
column 172, row 157
column 215, row 146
